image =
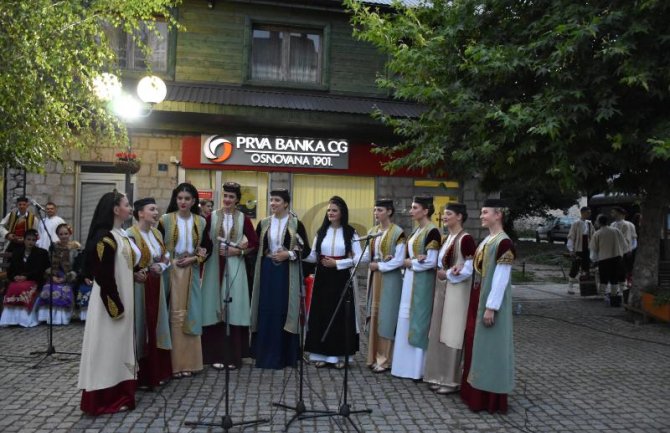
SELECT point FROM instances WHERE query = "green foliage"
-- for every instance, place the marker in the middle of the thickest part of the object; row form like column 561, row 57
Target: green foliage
column 545, row 91
column 49, row 53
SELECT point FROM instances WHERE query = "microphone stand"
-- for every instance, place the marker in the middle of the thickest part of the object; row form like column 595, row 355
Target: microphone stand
column 300, row 407
column 346, row 297
column 226, row 420
column 51, row 350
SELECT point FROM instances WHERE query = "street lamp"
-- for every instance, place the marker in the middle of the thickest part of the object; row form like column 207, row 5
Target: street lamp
column 151, row 90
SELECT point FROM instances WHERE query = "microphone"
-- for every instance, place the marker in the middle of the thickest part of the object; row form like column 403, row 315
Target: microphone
column 37, row 205
column 369, row 237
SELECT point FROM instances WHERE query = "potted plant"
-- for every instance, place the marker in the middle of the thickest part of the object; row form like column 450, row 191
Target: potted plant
column 127, row 162
column 656, row 303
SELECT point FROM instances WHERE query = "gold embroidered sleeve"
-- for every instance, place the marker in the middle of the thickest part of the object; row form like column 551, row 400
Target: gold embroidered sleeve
column 507, row 258
column 402, row 239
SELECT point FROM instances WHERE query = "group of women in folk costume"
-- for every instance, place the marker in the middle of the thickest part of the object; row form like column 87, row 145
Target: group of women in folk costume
column 452, row 334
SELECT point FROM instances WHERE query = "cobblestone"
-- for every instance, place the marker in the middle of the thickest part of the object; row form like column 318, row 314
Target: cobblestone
column 581, row 367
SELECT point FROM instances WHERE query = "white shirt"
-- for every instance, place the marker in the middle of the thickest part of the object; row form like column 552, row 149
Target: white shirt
column 386, row 266
column 431, row 255
column 185, row 236
column 467, row 270
column 501, row 276
column 51, row 223
column 333, row 246
column 276, row 233
column 136, row 250
column 154, row 247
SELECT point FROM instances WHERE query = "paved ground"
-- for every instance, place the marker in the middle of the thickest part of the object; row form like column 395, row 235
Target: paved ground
column 581, row 367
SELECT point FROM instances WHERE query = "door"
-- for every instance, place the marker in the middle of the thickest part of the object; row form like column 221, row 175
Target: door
column 90, row 188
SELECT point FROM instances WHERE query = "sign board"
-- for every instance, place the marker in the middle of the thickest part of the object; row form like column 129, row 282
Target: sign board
column 268, row 151
column 205, row 194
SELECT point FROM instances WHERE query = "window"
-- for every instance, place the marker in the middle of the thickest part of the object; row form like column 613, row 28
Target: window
column 131, row 57
column 286, row 54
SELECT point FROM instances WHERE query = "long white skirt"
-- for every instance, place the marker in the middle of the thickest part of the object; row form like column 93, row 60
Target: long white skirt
column 408, row 361
column 19, row 316
column 61, row 316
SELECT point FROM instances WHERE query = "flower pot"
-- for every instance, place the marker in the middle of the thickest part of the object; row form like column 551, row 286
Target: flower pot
column 130, row 167
column 660, row 312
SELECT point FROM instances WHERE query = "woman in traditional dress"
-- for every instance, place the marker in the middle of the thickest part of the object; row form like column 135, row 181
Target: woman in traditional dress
column 152, row 320
column 335, row 253
column 384, row 285
column 26, row 276
column 488, row 368
column 225, row 276
column 64, row 279
column 450, row 306
column 416, row 301
column 108, row 364
column 275, row 302
column 187, row 241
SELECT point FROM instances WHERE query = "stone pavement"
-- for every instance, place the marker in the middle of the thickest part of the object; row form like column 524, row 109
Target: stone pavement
column 581, row 367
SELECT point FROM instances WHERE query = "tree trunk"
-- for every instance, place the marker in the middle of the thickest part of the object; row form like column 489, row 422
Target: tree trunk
column 645, row 271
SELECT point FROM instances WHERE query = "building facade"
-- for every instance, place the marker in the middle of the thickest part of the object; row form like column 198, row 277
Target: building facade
column 265, row 93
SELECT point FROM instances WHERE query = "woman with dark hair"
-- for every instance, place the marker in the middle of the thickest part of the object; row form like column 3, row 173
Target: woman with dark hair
column 416, row 300
column 334, row 253
column 26, row 276
column 488, row 361
column 108, row 364
column 152, row 324
column 64, row 278
column 450, row 306
column 384, row 285
column 187, row 241
column 275, row 300
column 233, row 236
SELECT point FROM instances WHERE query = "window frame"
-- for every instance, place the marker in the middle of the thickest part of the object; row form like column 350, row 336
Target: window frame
column 287, row 24
column 171, row 50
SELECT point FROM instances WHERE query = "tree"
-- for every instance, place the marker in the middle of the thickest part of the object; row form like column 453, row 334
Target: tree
column 575, row 93
column 50, row 52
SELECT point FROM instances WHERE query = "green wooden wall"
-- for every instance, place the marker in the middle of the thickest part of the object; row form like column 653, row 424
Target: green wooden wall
column 212, row 49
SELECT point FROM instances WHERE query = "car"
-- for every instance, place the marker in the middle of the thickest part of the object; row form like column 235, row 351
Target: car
column 554, row 229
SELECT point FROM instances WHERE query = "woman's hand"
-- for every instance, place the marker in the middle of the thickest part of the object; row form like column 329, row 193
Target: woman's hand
column 456, row 270
column 408, row 263
column 489, row 317
column 329, row 262
column 441, row 274
column 185, row 261
column 156, row 268
column 280, row 256
column 374, row 266
column 140, row 276
column 421, row 258
column 88, row 281
column 58, row 280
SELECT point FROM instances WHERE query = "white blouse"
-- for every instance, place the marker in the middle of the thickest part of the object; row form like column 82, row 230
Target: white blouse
column 385, row 266
column 155, row 248
column 276, row 233
column 136, row 250
column 333, row 245
column 467, row 270
column 227, row 225
column 184, row 236
column 430, row 261
column 501, row 276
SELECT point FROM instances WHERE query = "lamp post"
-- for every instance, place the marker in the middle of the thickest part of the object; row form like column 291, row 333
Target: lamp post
column 151, row 90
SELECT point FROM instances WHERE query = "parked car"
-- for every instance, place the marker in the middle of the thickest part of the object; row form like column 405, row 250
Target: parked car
column 554, row 229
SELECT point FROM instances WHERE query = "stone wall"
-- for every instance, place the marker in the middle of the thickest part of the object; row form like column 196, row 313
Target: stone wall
column 473, row 198
column 58, row 182
column 15, row 187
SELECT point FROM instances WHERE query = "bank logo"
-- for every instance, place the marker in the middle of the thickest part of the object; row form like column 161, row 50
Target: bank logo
column 211, row 148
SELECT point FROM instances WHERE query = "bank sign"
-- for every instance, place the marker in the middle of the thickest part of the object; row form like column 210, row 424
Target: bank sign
column 255, row 150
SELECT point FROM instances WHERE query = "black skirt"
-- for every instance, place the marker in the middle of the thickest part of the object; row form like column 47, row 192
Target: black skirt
column 328, row 285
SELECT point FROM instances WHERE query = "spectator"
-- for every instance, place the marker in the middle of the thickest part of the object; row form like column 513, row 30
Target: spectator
column 15, row 224
column 581, row 232
column 51, row 221
column 607, row 248
column 629, row 233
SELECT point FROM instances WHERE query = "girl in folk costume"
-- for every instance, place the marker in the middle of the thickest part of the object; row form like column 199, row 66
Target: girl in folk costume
column 275, row 302
column 108, row 367
column 335, row 252
column 232, row 236
column 26, row 276
column 384, row 285
column 152, row 321
column 63, row 279
column 416, row 301
column 187, row 241
column 488, row 368
column 450, row 305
